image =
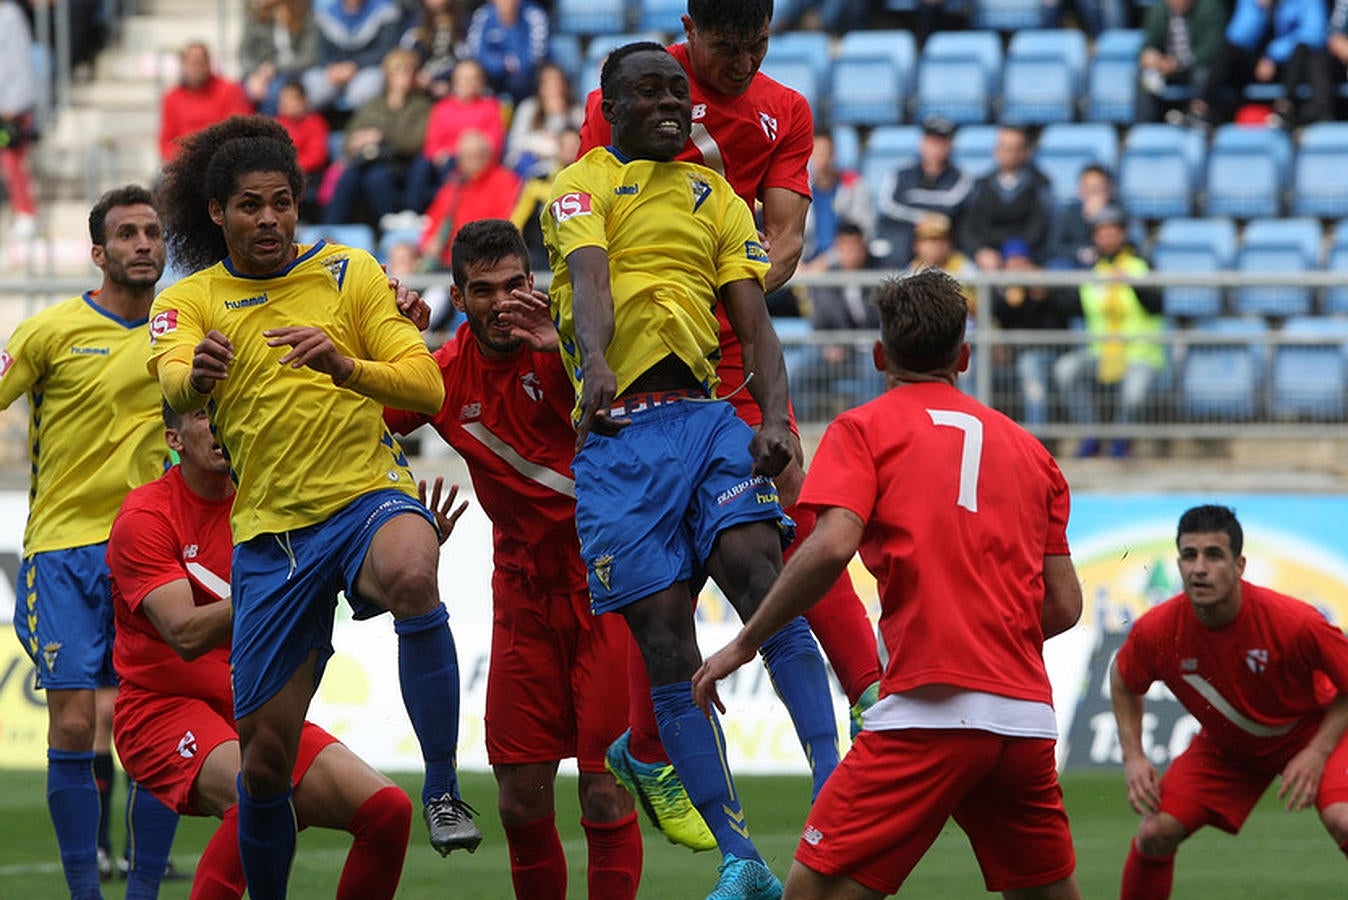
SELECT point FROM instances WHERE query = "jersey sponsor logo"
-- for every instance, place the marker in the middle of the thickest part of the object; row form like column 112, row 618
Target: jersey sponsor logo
column 470, row 411
column 90, row 351
column 568, row 206
column 336, row 267
column 163, row 323
column 769, row 124
column 1257, row 660
column 699, row 111
column 626, row 190
column 701, row 190
column 730, row 494
column 6, row 362
column 755, row 251
column 247, row 302
column 187, row 745
column 812, row 835
column 532, row 388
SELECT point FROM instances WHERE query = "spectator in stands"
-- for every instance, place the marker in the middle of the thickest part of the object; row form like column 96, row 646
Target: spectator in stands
column 1014, row 200
column 833, row 16
column 1180, row 41
column 539, row 123
column 1265, row 42
column 478, row 187
column 1093, row 16
column 1338, row 38
column 535, row 194
column 18, row 101
column 382, row 139
column 437, row 37
column 835, row 377
column 1070, row 245
column 309, row 132
column 1018, row 308
column 469, row 107
column 839, row 195
column 1112, row 312
column 353, row 36
column 279, row 43
column 932, row 184
column 510, row 39
column 201, row 98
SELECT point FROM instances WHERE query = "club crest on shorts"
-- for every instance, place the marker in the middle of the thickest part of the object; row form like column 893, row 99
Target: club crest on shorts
column 49, row 653
column 603, row 569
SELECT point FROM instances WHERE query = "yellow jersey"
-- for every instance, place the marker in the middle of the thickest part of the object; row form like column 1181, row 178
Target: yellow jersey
column 675, row 233
column 299, row 446
column 94, row 424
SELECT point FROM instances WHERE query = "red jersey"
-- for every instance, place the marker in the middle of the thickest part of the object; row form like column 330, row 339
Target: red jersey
column 960, row 506
column 761, row 139
column 510, row 419
column 1257, row 686
column 186, row 110
column 163, row 533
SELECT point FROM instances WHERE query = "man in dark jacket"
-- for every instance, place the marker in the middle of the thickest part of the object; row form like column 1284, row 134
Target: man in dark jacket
column 1014, row 200
column 932, row 184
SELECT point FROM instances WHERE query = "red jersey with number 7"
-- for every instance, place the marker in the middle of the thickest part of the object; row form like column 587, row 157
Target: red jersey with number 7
column 960, row 506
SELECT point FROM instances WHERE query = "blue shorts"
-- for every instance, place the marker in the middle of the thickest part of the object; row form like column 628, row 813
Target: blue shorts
column 651, row 499
column 285, row 590
column 63, row 617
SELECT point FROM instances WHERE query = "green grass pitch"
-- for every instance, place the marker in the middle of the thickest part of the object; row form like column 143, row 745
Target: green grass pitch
column 1278, row 855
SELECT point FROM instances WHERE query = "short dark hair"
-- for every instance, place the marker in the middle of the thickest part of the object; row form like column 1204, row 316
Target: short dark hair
column 485, row 241
column 734, row 16
column 608, row 75
column 850, row 229
column 127, row 195
column 922, row 320
column 1211, row 518
column 207, row 167
column 172, row 418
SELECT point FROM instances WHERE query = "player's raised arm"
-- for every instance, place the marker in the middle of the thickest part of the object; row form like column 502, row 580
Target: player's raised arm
column 784, row 214
column 1144, row 786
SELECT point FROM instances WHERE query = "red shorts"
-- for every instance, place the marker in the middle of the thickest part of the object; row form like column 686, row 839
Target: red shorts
column 730, row 370
column 1206, row 786
column 163, row 741
column 557, row 683
column 888, row 800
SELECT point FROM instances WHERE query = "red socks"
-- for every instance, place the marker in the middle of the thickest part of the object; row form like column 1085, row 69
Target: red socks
column 537, row 863
column 220, row 871
column 615, row 858
column 1146, row 877
column 375, row 862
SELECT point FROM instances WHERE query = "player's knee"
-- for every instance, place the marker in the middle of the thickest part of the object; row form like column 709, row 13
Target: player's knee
column 517, row 806
column 602, row 799
column 669, row 658
column 1159, row 835
column 1335, row 819
column 410, row 591
column 71, row 729
column 265, row 766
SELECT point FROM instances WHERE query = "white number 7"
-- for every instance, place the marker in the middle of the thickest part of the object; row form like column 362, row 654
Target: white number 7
column 971, row 455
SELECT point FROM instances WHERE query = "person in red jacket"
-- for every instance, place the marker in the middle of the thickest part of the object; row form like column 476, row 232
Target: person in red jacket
column 470, row 106
column 201, row 98
column 309, row 132
column 479, row 187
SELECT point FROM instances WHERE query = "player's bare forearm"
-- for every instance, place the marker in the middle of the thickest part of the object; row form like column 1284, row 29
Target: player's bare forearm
column 592, row 310
column 762, row 349
column 190, row 630
column 1301, row 776
column 784, row 214
column 1139, row 774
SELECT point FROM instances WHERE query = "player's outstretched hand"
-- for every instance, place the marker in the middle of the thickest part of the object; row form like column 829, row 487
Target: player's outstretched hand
column 1144, row 785
column 410, row 303
column 210, row 361
column 446, row 515
column 310, row 346
column 771, row 449
column 717, row 666
column 1301, row 778
column 527, row 315
column 599, row 391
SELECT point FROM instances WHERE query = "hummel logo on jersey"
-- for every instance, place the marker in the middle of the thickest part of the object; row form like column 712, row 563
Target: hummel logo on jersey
column 90, row 351
column 245, row 303
column 1257, row 660
column 1189, row 664
column 812, row 835
column 190, row 551
column 187, row 747
column 6, row 361
column 701, row 190
column 470, row 411
column 163, row 323
column 531, row 387
column 626, row 190
column 699, row 111
column 567, row 206
column 769, row 124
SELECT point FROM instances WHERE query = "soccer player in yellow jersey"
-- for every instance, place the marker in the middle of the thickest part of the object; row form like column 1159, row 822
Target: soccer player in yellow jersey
column 669, row 482
column 295, row 351
column 94, row 434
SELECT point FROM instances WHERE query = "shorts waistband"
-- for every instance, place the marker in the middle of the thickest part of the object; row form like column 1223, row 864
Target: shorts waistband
column 628, row 404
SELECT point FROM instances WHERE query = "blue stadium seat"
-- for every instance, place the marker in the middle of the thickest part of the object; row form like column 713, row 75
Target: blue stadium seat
column 1308, row 380
column 1247, row 171
column 866, row 91
column 1111, row 82
column 1159, row 171
column 1041, row 82
column 971, row 149
column 1320, row 178
column 662, row 16
column 1008, row 15
column 1066, row 148
column 1336, row 298
column 1277, row 245
column 846, row 147
column 353, row 234
column 892, row 43
column 1194, row 245
column 1222, row 381
column 813, row 47
column 564, row 50
column 888, row 149
column 587, row 17
column 959, row 75
column 799, row 73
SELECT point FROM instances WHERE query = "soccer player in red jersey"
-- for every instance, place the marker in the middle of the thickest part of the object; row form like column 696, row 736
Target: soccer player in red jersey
column 923, row 480
column 1266, row 675
column 556, row 687
column 759, row 135
column 169, row 555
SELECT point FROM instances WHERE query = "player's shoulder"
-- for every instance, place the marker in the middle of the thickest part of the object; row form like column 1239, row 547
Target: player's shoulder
column 152, row 500
column 1282, row 605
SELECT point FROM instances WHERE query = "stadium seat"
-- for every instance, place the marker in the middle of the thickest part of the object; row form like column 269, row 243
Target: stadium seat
column 564, row 50
column 589, row 17
column 846, row 147
column 1008, row 15
column 971, row 149
column 891, row 43
column 1336, row 298
column 1041, row 82
column 663, row 16
column 1222, row 381
column 1194, row 245
column 959, row 75
column 1111, row 83
column 799, row 73
column 1320, row 178
column 811, row 46
column 888, row 149
column 1277, row 245
column 1247, row 171
column 1159, row 171
column 1066, row 148
column 866, row 91
column 352, row 234
column 1308, row 380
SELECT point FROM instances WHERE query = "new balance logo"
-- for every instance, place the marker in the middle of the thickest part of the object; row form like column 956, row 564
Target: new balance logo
column 812, row 835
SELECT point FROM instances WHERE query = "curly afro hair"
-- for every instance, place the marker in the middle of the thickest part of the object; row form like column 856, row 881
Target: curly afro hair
column 207, row 167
